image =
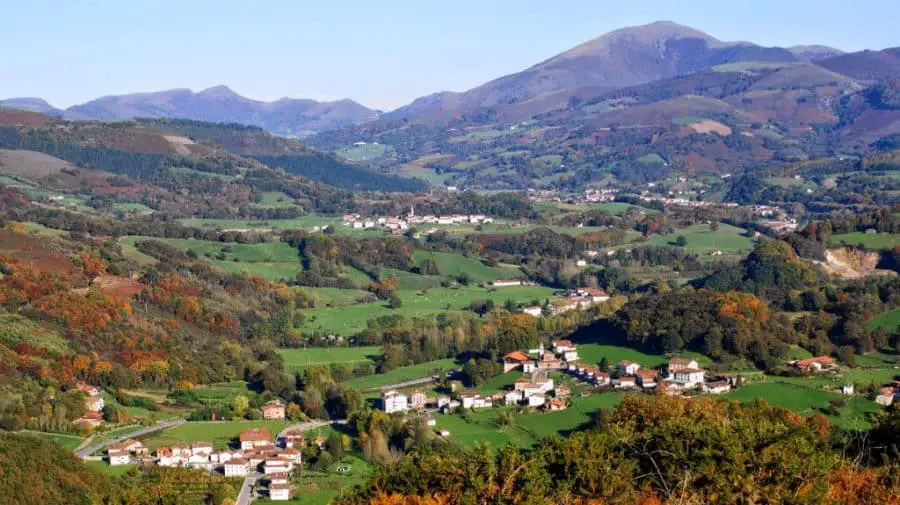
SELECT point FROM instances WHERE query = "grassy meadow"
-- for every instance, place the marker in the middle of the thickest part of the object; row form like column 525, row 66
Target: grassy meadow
column 297, row 359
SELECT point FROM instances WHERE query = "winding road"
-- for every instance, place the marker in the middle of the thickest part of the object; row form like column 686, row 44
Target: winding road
column 162, row 425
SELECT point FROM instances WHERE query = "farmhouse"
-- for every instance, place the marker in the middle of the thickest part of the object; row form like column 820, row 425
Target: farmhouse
column 514, row 360
column 118, row 457
column 92, row 419
column 273, row 410
column 625, row 382
column 556, row 404
column 689, row 377
column 393, row 401
column 563, row 391
column 601, row 379
column 815, row 365
column 536, row 400
column 717, row 387
column 676, row 364
column 513, row 397
column 293, row 438
column 628, row 367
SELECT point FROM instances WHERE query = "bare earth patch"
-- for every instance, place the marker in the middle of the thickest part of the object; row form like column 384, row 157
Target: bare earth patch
column 710, row 126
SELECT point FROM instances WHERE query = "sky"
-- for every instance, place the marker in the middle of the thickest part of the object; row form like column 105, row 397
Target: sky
column 382, row 54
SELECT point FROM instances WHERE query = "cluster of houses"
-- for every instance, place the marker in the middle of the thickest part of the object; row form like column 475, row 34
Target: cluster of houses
column 256, row 452
column 574, row 299
column 398, row 224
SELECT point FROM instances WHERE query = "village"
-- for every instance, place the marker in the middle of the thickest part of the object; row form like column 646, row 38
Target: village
column 396, row 224
column 536, row 389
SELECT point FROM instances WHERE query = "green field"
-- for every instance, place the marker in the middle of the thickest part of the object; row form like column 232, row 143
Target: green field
column 68, row 442
column 132, row 207
column 220, row 434
column 350, row 320
column 889, row 321
column 275, row 200
column 112, row 471
column 363, row 152
column 296, row 359
column 482, row 425
column 456, row 264
column 701, row 240
column 402, row 374
column 270, row 260
column 871, row 241
column 317, row 488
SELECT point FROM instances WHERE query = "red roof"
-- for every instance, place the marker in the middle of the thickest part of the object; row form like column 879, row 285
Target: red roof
column 822, row 360
column 516, row 356
column 255, row 435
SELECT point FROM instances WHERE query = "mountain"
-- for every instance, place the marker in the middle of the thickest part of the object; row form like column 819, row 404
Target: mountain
column 866, row 65
column 31, row 104
column 814, row 52
column 621, row 58
column 220, row 104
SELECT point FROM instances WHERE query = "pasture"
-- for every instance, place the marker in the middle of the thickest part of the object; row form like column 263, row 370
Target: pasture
column 455, row 264
column 269, row 260
column 869, row 240
column 350, row 320
column 297, row 359
column 701, row 240
column 889, row 321
column 220, row 434
column 403, row 374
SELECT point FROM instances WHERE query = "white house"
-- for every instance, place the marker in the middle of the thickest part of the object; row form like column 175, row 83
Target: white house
column 716, row 387
column 443, row 401
column 536, row 400
column 676, row 364
column 236, row 467
column 847, row 389
column 118, row 457
column 201, row 449
column 625, row 382
column 393, row 401
column 468, row 399
column 513, row 397
column 689, row 377
column 628, row 367
column 279, row 492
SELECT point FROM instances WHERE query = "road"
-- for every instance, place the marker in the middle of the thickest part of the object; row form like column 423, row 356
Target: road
column 162, row 425
column 246, row 493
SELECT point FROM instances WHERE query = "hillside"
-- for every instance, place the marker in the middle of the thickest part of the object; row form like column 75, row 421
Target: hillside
column 867, row 65
column 618, row 59
column 219, row 104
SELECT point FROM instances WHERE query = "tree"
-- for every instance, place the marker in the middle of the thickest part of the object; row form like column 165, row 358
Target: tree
column 604, row 364
column 335, row 446
column 681, row 241
column 240, row 404
column 395, row 302
column 714, row 226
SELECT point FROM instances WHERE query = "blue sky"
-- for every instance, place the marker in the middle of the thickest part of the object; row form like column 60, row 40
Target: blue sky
column 382, row 54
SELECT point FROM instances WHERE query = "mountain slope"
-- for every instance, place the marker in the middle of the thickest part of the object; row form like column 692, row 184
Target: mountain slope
column 621, row 58
column 31, row 104
column 868, row 65
column 220, row 104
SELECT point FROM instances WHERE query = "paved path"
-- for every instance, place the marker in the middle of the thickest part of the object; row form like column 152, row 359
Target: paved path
column 246, row 493
column 162, row 425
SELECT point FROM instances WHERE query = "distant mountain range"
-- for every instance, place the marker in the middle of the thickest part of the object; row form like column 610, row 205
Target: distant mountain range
column 285, row 117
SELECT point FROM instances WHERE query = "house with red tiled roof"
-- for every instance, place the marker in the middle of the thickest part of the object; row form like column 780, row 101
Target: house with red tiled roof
column 514, row 360
column 816, row 364
column 255, row 437
column 273, row 410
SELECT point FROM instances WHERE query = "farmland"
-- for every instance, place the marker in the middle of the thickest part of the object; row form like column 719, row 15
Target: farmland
column 869, row 240
column 402, row 374
column 272, row 260
column 702, row 240
column 889, row 321
column 352, row 319
column 297, row 359
column 220, row 434
column 456, row 264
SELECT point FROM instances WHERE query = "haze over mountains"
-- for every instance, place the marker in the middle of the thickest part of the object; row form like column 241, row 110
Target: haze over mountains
column 219, row 104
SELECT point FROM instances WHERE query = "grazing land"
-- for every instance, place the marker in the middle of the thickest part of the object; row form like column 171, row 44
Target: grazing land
column 456, row 264
column 297, row 359
column 220, row 434
column 701, row 240
column 403, row 374
column 889, row 321
column 869, row 240
column 350, row 320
